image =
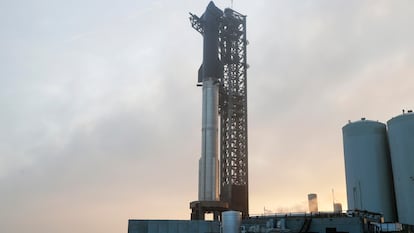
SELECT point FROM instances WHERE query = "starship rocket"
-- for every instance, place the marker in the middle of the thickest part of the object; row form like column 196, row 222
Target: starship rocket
column 208, row 75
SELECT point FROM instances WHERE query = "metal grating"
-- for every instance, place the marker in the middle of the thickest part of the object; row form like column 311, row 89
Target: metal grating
column 196, row 23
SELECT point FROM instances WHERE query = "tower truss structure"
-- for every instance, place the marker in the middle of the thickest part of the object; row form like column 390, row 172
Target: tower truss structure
column 233, row 112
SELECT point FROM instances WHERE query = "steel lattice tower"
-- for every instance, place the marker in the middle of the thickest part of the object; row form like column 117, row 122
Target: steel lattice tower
column 233, row 112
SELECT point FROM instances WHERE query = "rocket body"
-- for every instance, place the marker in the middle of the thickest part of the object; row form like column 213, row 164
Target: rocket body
column 209, row 73
column 209, row 163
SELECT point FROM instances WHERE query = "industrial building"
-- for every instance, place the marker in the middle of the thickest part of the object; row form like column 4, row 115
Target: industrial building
column 351, row 222
column 379, row 158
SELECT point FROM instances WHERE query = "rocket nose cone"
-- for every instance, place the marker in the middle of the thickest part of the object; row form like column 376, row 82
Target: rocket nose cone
column 213, row 9
column 211, row 4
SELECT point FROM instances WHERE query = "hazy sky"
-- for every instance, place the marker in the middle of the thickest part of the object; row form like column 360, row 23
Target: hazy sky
column 100, row 116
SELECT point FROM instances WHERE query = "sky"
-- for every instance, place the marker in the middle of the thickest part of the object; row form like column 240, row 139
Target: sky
column 100, row 116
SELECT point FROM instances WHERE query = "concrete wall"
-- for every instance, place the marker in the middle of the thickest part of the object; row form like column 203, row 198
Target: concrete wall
column 172, row 226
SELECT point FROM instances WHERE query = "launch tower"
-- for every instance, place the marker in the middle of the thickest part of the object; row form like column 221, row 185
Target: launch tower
column 222, row 74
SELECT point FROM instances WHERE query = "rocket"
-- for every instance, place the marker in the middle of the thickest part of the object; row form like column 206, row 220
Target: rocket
column 208, row 76
column 210, row 22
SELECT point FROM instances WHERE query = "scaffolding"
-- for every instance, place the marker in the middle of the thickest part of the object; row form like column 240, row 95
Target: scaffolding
column 233, row 112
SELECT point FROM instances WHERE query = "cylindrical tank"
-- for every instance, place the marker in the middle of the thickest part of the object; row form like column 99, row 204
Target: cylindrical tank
column 337, row 207
column 368, row 169
column 313, row 202
column 401, row 140
column 231, row 221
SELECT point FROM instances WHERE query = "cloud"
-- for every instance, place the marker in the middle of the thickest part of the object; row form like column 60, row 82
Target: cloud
column 101, row 117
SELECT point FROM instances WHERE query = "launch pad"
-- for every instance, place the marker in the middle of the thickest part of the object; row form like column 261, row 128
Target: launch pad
column 200, row 208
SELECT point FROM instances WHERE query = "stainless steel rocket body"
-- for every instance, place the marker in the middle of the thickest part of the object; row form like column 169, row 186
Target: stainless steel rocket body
column 209, row 163
column 209, row 74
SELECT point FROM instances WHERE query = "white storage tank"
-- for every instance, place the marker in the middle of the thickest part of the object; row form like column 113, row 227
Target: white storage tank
column 368, row 171
column 231, row 221
column 401, row 140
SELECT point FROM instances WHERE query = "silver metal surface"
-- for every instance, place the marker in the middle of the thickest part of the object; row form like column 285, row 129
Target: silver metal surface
column 368, row 169
column 231, row 221
column 209, row 164
column 401, row 139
